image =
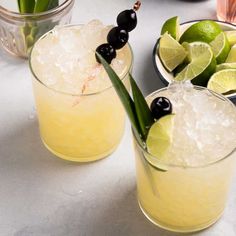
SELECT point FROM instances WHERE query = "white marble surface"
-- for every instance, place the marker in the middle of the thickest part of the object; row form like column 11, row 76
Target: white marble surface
column 41, row 195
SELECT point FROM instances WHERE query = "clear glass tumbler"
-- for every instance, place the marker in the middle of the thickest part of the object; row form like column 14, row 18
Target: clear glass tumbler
column 183, row 198
column 226, row 10
column 18, row 32
column 80, row 127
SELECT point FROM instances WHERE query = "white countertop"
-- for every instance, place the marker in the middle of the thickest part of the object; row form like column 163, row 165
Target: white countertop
column 41, row 195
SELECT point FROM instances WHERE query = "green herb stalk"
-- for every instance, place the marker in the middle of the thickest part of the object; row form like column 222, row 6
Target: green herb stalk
column 31, row 29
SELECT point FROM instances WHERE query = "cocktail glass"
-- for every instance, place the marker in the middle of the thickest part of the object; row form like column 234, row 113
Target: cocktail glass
column 80, row 127
column 183, row 198
column 226, row 10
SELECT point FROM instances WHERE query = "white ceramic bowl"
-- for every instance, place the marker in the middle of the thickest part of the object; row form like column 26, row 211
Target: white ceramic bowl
column 164, row 75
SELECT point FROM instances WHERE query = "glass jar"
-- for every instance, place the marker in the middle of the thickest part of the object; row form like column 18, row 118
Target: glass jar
column 18, row 32
column 226, row 10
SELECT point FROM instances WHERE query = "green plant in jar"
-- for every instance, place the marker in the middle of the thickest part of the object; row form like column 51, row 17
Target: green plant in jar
column 31, row 28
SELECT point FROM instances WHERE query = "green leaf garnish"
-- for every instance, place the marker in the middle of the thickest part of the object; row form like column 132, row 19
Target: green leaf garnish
column 143, row 112
column 137, row 110
column 122, row 93
column 26, row 6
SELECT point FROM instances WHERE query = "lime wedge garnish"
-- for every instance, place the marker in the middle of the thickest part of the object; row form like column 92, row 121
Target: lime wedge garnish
column 159, row 137
column 204, row 31
column 223, row 81
column 171, row 52
column 224, row 66
column 155, row 162
column 220, row 47
column 231, row 36
column 232, row 55
column 201, row 66
column 171, row 26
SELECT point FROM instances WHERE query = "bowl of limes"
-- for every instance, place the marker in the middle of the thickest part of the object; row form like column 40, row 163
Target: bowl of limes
column 202, row 51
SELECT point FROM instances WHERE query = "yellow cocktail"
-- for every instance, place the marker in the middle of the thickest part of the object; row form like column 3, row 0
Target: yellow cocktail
column 191, row 194
column 80, row 116
column 183, row 199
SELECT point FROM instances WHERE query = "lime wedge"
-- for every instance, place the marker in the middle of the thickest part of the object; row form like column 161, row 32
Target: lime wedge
column 231, row 36
column 232, row 55
column 220, row 47
column 224, row 66
column 204, row 31
column 223, row 81
column 171, row 52
column 201, row 66
column 159, row 137
column 155, row 162
column 171, row 26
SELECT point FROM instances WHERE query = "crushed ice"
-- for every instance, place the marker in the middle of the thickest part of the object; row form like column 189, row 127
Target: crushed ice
column 204, row 125
column 65, row 58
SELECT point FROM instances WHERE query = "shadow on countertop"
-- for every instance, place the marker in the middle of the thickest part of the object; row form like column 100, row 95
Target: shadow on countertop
column 26, row 165
column 122, row 216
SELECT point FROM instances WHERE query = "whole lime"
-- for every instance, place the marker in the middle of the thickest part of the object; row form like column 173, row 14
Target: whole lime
column 204, row 31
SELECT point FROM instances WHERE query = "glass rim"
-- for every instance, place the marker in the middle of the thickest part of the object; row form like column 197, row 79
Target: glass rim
column 167, row 164
column 76, row 94
column 12, row 15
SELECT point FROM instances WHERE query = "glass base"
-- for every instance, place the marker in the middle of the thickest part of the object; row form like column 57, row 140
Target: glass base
column 81, row 159
column 12, row 52
column 179, row 229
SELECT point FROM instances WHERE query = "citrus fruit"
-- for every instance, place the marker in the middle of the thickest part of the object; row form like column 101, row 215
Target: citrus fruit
column 224, row 66
column 171, row 26
column 223, row 81
column 204, row 31
column 171, row 52
column 231, row 36
column 201, row 64
column 159, row 136
column 220, row 47
column 232, row 55
column 155, row 162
